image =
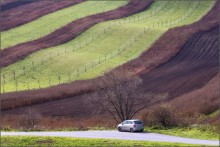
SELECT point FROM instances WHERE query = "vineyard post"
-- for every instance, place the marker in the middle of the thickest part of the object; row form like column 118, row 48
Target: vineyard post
column 99, row 61
column 85, row 68
column 69, row 76
column 24, row 70
column 49, row 81
column 14, row 73
column 4, row 78
column 77, row 72
column 59, row 78
column 33, row 65
column 28, row 86
column 42, row 61
column 38, row 83
column 3, row 87
column 16, row 85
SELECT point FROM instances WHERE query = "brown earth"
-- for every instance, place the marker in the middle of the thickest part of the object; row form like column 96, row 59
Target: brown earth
column 204, row 100
column 192, row 67
column 10, row 4
column 70, row 31
column 29, row 12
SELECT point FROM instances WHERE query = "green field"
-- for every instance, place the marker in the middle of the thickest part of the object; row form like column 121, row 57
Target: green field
column 48, row 23
column 102, row 47
column 65, row 141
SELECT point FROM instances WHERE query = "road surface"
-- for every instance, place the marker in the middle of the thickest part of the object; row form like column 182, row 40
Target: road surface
column 144, row 136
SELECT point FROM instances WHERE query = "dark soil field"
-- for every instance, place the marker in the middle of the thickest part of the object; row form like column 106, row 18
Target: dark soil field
column 69, row 32
column 21, row 14
column 10, row 4
column 195, row 64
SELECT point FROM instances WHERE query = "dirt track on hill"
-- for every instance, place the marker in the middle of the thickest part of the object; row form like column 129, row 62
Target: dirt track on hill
column 29, row 12
column 69, row 32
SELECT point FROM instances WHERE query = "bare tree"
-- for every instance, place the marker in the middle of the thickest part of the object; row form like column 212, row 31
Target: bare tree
column 29, row 119
column 121, row 95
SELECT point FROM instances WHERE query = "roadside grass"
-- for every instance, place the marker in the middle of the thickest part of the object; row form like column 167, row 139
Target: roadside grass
column 102, row 47
column 196, row 132
column 49, row 23
column 67, row 141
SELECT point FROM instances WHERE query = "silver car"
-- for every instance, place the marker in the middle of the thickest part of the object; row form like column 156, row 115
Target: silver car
column 131, row 125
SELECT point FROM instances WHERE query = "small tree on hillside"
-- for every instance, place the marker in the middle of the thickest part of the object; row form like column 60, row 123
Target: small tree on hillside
column 29, row 119
column 121, row 95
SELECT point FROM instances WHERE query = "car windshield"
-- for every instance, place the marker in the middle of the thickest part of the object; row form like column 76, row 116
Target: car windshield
column 137, row 122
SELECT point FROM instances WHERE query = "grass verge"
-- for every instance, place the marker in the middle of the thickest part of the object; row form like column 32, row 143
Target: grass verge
column 196, row 132
column 65, row 141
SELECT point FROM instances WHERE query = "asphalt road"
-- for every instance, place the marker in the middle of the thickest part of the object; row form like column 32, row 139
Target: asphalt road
column 144, row 136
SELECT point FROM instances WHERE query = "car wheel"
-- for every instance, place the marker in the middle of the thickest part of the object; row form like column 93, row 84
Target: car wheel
column 141, row 130
column 131, row 130
column 119, row 129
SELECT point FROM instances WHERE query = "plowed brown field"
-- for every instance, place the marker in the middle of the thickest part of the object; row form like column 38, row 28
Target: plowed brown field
column 10, row 4
column 195, row 64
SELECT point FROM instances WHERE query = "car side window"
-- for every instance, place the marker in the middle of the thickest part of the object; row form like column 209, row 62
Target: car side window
column 124, row 122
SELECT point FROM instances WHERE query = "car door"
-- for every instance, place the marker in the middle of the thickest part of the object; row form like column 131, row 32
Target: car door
column 128, row 125
column 123, row 126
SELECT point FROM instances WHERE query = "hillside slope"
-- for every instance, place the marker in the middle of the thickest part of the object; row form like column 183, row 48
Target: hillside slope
column 92, row 53
column 69, row 101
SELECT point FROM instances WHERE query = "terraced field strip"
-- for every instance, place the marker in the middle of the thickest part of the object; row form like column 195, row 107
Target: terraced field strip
column 51, row 22
column 29, row 12
column 102, row 47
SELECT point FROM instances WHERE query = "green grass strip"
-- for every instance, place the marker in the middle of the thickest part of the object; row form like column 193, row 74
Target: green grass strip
column 65, row 141
column 196, row 132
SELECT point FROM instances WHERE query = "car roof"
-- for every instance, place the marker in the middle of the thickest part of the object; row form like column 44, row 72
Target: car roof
column 134, row 120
